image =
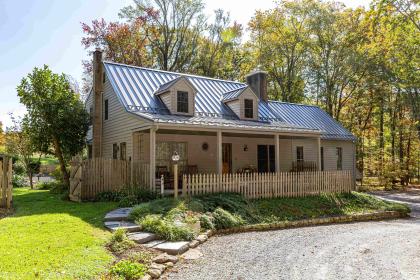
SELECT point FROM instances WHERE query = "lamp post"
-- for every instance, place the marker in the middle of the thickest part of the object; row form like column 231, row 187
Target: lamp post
column 175, row 159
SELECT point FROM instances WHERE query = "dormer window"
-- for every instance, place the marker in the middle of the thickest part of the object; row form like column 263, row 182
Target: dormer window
column 249, row 108
column 182, row 102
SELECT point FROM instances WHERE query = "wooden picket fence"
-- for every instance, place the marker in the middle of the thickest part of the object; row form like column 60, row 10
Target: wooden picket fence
column 6, row 173
column 268, row 185
column 93, row 176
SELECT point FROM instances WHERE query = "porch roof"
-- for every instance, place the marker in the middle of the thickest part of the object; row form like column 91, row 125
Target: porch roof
column 210, row 121
column 135, row 88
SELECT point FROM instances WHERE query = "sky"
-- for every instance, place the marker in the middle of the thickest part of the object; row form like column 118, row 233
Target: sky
column 38, row 32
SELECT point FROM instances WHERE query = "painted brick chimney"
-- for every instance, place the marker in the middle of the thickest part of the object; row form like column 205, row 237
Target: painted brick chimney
column 257, row 80
column 97, row 103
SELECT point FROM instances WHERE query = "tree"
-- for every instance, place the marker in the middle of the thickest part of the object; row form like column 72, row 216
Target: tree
column 19, row 143
column 280, row 40
column 174, row 31
column 56, row 117
column 1, row 134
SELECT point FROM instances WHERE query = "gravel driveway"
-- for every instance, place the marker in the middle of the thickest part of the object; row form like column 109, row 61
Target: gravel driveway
column 368, row 250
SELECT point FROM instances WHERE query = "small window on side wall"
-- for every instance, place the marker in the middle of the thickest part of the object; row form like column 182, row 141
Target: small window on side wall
column 182, row 102
column 339, row 158
column 299, row 153
column 115, row 151
column 123, row 151
column 106, row 109
column 249, row 108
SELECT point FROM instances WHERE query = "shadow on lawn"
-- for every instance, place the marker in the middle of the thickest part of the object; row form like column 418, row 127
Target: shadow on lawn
column 35, row 202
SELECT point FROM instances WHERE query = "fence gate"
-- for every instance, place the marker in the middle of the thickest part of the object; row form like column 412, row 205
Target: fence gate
column 6, row 173
column 75, row 179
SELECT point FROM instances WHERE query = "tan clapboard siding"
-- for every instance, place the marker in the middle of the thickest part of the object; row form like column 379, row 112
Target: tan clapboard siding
column 248, row 94
column 118, row 128
column 89, row 102
column 167, row 100
column 235, row 106
column 288, row 151
column 330, row 157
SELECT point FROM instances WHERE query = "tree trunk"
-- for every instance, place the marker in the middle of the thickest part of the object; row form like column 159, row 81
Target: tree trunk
column 31, row 184
column 59, row 155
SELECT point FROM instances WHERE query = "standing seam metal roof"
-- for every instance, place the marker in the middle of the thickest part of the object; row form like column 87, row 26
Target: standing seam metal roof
column 135, row 88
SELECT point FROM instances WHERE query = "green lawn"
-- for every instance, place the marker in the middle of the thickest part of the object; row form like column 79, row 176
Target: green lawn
column 48, row 238
column 47, row 159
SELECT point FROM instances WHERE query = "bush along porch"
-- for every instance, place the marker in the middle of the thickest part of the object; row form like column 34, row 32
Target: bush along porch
column 176, row 225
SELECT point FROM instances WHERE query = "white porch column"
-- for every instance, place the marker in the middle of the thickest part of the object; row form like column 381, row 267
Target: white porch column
column 219, row 155
column 152, row 158
column 318, row 140
column 277, row 152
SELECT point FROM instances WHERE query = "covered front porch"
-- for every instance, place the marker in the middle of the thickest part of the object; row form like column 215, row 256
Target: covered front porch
column 219, row 151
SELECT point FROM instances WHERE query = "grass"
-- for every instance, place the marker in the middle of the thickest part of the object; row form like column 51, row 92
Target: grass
column 47, row 159
column 48, row 238
column 238, row 210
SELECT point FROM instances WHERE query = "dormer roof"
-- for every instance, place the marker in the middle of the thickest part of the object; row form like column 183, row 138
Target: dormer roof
column 234, row 94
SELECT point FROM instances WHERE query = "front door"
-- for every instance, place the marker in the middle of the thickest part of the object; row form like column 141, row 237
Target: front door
column 266, row 158
column 227, row 157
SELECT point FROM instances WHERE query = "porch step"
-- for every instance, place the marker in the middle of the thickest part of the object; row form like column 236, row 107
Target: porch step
column 120, row 214
column 142, row 237
column 128, row 226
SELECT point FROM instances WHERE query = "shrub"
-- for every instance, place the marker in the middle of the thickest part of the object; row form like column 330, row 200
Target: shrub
column 19, row 181
column 157, row 206
column 206, row 222
column 19, row 168
column 56, row 187
column 128, row 270
column 166, row 229
column 119, row 242
column 128, row 196
column 108, row 196
column 232, row 202
column 223, row 219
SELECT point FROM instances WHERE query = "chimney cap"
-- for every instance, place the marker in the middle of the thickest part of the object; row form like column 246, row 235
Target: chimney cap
column 256, row 71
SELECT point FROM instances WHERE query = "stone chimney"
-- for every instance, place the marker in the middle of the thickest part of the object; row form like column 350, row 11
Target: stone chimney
column 257, row 80
column 97, row 103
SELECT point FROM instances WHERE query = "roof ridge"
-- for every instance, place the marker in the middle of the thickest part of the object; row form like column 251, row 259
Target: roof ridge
column 239, row 88
column 291, row 103
column 174, row 73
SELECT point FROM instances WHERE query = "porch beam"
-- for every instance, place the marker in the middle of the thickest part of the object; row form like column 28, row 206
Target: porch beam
column 239, row 130
column 219, row 153
column 152, row 168
column 318, row 140
column 277, row 152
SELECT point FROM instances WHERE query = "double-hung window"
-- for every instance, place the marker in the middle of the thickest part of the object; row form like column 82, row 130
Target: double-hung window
column 182, row 102
column 249, row 108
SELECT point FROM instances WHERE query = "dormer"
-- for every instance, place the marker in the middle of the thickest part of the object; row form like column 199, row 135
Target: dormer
column 243, row 102
column 178, row 95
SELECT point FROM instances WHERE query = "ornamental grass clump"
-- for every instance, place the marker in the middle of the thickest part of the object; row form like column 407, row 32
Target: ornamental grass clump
column 207, row 222
column 165, row 228
column 223, row 219
column 128, row 270
column 119, row 241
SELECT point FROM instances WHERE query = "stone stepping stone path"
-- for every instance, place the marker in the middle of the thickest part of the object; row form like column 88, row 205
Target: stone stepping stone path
column 120, row 214
column 142, row 237
column 119, row 218
column 128, row 226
